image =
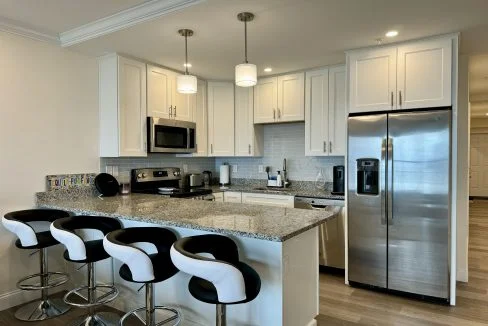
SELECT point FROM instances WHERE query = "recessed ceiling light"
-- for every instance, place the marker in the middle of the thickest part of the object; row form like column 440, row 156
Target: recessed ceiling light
column 391, row 33
column 268, row 69
column 187, row 65
column 486, row 113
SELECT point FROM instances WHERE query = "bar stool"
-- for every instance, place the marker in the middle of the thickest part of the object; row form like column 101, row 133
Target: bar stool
column 221, row 281
column 28, row 238
column 141, row 267
column 88, row 252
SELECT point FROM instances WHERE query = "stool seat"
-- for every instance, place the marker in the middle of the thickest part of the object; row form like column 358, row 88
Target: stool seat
column 205, row 291
column 162, row 265
column 44, row 240
column 94, row 252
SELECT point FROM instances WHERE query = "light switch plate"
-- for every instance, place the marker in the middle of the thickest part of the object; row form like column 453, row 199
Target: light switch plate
column 234, row 168
column 115, row 172
column 109, row 169
column 261, row 168
column 185, row 168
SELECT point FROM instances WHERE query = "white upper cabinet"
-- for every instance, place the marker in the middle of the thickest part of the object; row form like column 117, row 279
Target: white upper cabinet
column 413, row 75
column 291, row 102
column 266, row 100
column 248, row 137
column 317, row 112
column 163, row 101
column 201, row 118
column 221, row 118
column 424, row 74
column 325, row 112
column 372, row 80
column 159, row 91
column 122, row 107
column 337, row 111
column 279, row 99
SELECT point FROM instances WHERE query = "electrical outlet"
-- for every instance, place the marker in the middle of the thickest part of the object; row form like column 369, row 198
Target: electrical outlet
column 261, row 168
column 234, row 168
column 185, row 168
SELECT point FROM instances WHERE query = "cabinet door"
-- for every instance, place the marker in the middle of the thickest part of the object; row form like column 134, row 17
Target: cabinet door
column 291, row 101
column 268, row 200
column 232, row 197
column 265, row 100
column 132, row 108
column 337, row 111
column 316, row 112
column 182, row 109
column 424, row 74
column 221, row 118
column 159, row 91
column 201, row 118
column 248, row 137
column 372, row 80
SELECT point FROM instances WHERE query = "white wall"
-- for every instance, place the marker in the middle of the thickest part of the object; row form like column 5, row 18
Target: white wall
column 48, row 125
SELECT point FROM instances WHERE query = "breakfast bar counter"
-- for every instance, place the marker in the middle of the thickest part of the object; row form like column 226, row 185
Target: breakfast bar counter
column 281, row 244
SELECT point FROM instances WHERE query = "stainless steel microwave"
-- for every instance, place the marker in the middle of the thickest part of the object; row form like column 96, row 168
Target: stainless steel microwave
column 171, row 136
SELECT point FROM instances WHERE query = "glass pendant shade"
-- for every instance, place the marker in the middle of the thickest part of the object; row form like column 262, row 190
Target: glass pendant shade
column 246, row 75
column 186, row 84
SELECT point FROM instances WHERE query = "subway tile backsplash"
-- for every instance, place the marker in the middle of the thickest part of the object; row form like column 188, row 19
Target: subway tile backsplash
column 280, row 141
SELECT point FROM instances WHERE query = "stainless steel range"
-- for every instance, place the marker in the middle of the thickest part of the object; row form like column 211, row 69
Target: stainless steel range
column 165, row 182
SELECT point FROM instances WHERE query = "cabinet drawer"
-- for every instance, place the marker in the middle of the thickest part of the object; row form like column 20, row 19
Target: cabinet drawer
column 232, row 197
column 268, row 200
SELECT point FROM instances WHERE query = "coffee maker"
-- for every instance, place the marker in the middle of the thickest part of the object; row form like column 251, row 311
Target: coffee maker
column 338, row 180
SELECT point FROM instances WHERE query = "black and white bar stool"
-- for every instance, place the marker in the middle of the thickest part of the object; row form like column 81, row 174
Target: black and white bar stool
column 88, row 252
column 18, row 223
column 141, row 267
column 221, row 281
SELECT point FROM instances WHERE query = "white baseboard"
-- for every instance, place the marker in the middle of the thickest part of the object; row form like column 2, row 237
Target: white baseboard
column 313, row 322
column 462, row 275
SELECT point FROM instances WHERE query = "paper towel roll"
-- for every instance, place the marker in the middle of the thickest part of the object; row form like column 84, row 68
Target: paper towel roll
column 224, row 174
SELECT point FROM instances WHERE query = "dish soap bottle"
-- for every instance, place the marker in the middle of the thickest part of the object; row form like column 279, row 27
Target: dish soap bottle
column 279, row 181
column 320, row 180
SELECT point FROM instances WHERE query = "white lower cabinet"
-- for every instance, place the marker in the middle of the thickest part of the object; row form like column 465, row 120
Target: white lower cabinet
column 219, row 196
column 232, row 197
column 268, row 200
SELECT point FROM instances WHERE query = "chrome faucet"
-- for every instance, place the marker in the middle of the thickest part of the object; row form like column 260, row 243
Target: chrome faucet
column 285, row 178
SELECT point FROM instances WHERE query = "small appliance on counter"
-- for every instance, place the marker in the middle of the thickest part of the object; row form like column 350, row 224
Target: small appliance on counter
column 338, row 180
column 194, row 180
column 106, row 184
column 207, row 178
column 166, row 182
column 224, row 176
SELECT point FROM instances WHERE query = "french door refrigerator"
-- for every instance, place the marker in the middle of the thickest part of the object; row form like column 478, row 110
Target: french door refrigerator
column 399, row 168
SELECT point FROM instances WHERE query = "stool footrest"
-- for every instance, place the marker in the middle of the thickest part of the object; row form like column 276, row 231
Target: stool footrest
column 176, row 318
column 51, row 283
column 106, row 297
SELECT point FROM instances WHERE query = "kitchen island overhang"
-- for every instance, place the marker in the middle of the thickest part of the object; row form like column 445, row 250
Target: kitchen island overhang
column 281, row 244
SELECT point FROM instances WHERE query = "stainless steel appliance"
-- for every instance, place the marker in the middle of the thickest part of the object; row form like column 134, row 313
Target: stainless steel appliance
column 399, row 186
column 331, row 233
column 194, row 180
column 338, row 180
column 171, row 136
column 165, row 182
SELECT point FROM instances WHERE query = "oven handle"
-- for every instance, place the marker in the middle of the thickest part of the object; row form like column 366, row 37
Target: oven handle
column 188, row 141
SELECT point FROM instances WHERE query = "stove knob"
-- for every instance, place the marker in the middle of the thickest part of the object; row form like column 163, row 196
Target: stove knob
column 139, row 176
column 144, row 175
column 176, row 173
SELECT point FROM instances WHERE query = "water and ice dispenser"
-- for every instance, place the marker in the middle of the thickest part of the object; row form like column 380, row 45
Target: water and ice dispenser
column 368, row 176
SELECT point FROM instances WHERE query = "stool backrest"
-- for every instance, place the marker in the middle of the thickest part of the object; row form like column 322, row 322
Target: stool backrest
column 221, row 271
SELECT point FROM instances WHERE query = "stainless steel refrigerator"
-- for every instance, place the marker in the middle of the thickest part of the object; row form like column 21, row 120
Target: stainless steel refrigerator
column 399, row 167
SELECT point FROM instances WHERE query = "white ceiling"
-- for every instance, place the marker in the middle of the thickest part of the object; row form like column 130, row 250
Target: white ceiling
column 287, row 35
column 56, row 16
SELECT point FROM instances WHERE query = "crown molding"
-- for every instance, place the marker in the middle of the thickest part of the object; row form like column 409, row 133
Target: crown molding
column 123, row 19
column 14, row 27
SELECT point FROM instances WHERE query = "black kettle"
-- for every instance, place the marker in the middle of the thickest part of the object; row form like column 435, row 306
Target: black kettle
column 207, row 178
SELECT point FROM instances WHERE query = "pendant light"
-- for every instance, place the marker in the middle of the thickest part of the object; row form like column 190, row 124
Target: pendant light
column 186, row 84
column 246, row 73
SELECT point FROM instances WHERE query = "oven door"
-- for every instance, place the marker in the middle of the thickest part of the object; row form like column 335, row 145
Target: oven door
column 171, row 136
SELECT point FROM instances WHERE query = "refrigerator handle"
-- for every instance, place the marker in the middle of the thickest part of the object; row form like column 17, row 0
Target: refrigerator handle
column 383, row 180
column 389, row 210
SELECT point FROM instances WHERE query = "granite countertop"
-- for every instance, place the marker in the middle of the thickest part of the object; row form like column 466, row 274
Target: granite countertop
column 253, row 221
column 305, row 189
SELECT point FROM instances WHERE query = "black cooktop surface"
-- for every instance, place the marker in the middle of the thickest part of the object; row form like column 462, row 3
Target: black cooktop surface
column 178, row 192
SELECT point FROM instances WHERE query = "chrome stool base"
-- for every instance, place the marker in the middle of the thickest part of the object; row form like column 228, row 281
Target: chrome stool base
column 42, row 310
column 170, row 321
column 97, row 319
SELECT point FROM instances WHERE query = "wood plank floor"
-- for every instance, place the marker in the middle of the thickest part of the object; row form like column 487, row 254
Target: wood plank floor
column 344, row 305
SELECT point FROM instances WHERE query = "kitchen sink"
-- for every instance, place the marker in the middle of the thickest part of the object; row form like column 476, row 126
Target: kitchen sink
column 270, row 189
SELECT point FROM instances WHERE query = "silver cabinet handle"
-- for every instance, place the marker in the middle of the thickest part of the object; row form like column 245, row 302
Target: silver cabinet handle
column 400, row 98
column 211, row 148
column 175, row 111
column 274, row 114
column 170, row 111
column 249, row 149
column 330, row 146
column 325, row 146
column 392, row 100
column 279, row 114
